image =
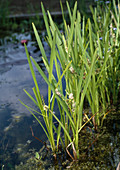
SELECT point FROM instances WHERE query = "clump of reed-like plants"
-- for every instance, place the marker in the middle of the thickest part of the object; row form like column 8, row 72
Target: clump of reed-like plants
column 83, row 56
column 107, row 25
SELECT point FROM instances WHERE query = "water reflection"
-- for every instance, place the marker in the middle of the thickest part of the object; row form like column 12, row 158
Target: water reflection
column 15, row 120
column 16, row 139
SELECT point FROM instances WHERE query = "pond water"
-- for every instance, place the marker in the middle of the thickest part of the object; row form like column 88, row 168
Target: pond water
column 15, row 120
column 16, row 141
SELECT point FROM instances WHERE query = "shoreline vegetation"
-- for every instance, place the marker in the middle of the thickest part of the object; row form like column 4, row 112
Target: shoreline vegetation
column 83, row 79
column 87, row 55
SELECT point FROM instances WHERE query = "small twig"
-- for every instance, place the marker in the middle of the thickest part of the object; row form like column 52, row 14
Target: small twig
column 74, row 151
column 94, row 141
column 44, row 143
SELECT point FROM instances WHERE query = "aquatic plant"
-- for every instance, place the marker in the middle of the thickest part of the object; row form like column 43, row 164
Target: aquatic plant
column 107, row 26
column 82, row 59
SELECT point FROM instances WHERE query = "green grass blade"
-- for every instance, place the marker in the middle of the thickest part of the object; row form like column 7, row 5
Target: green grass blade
column 46, row 23
column 40, row 43
column 69, row 11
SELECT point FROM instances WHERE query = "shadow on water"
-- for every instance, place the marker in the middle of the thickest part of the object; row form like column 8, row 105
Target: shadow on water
column 99, row 150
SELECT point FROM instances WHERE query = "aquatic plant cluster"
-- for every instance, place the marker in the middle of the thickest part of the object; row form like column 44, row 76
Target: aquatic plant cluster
column 87, row 56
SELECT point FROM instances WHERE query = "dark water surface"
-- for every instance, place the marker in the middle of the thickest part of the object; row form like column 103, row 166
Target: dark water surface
column 98, row 150
column 15, row 120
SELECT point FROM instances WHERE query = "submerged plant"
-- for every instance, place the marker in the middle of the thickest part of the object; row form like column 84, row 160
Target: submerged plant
column 77, row 57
